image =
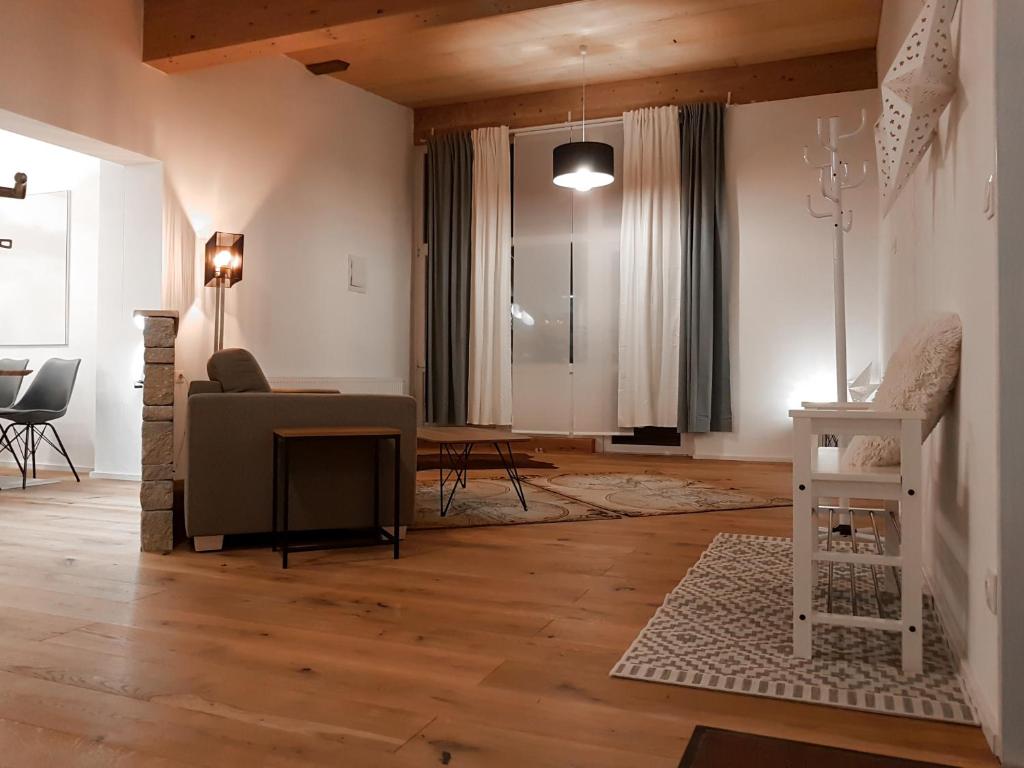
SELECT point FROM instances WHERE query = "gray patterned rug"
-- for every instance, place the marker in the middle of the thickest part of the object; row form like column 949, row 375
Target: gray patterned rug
column 575, row 497
column 728, row 626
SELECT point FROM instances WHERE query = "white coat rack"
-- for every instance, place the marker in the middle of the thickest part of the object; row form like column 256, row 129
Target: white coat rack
column 834, row 178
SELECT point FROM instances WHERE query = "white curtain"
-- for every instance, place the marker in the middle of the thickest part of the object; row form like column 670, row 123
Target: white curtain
column 650, row 269
column 490, row 319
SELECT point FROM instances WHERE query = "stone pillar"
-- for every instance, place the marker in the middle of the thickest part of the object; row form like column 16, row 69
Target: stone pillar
column 156, row 494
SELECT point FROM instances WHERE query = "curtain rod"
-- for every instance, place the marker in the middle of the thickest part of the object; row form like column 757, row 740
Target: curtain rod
column 574, row 124
column 565, row 126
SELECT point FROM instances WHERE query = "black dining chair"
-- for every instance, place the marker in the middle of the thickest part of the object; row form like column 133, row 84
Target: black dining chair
column 10, row 385
column 9, row 388
column 45, row 401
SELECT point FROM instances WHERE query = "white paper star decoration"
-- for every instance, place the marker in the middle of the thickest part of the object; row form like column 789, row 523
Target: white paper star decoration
column 915, row 91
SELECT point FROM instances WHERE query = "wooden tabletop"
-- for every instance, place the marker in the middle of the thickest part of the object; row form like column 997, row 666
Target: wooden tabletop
column 15, row 373
column 289, row 432
column 467, row 435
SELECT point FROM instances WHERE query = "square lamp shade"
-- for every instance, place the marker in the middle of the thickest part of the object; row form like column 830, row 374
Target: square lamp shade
column 224, row 258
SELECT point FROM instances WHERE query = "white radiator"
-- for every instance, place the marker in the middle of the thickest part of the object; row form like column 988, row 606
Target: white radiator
column 347, row 385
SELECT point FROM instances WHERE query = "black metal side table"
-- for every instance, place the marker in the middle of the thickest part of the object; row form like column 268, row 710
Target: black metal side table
column 283, row 439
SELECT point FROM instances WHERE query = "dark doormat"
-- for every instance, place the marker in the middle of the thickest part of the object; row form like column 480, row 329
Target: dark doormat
column 483, row 460
column 717, row 748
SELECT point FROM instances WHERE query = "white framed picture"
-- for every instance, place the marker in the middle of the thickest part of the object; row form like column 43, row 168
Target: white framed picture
column 34, row 270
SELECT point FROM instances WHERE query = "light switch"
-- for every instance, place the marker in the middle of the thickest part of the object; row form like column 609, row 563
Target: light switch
column 357, row 276
column 992, row 591
column 990, row 197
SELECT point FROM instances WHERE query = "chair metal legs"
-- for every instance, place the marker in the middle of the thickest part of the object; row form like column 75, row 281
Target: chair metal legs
column 7, row 445
column 60, row 449
column 28, row 439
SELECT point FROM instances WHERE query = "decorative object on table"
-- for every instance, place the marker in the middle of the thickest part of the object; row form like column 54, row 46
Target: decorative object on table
column 45, row 401
column 861, row 386
column 717, row 747
column 283, row 441
column 20, row 188
column 569, row 498
column 223, row 268
column 454, row 447
column 583, row 165
column 915, row 92
column 728, row 627
column 34, row 269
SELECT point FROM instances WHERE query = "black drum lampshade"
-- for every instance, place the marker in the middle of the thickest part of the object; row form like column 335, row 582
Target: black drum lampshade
column 583, row 165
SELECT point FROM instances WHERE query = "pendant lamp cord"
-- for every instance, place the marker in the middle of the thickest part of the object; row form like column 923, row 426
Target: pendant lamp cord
column 583, row 58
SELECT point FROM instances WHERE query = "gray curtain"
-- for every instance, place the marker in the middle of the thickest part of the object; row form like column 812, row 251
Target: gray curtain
column 449, row 241
column 705, row 402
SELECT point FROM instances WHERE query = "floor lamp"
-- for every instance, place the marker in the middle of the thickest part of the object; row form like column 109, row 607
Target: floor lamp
column 223, row 269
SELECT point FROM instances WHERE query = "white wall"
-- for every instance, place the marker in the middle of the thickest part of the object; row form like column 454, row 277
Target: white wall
column 782, row 327
column 937, row 251
column 129, row 276
column 1010, row 175
column 309, row 169
column 52, row 169
column 320, row 172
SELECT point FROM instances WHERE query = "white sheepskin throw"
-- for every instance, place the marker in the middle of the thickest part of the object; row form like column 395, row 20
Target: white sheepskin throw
column 920, row 377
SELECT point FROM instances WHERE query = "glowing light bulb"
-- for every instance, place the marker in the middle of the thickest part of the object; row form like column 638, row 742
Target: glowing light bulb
column 222, row 260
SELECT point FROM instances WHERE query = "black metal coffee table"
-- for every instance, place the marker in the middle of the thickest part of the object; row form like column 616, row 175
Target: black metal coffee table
column 456, row 444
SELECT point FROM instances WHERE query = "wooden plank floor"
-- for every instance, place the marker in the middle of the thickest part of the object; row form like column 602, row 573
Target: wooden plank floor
column 480, row 647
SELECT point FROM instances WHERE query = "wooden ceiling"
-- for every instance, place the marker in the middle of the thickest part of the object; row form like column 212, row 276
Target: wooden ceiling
column 424, row 53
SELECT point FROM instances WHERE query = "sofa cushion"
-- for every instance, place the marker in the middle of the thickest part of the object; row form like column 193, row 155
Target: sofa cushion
column 920, row 377
column 236, row 370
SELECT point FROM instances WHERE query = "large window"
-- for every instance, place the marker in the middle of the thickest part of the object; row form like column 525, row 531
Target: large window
column 565, row 292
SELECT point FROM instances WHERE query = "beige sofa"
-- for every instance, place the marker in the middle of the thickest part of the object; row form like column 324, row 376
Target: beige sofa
column 230, row 457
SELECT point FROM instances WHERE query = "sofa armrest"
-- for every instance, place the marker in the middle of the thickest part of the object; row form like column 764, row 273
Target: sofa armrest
column 204, row 387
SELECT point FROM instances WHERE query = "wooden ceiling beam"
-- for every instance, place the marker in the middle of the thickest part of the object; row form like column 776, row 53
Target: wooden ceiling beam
column 771, row 81
column 180, row 35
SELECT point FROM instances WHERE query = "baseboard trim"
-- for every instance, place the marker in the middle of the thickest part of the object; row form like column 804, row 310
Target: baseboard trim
column 732, row 457
column 135, row 478
column 987, row 718
column 645, row 450
column 989, row 724
column 62, row 467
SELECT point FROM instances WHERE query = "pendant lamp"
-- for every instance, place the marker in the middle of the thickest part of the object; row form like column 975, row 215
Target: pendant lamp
column 583, row 165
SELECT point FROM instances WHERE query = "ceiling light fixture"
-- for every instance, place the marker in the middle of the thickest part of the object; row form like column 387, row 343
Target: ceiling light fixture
column 583, row 165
